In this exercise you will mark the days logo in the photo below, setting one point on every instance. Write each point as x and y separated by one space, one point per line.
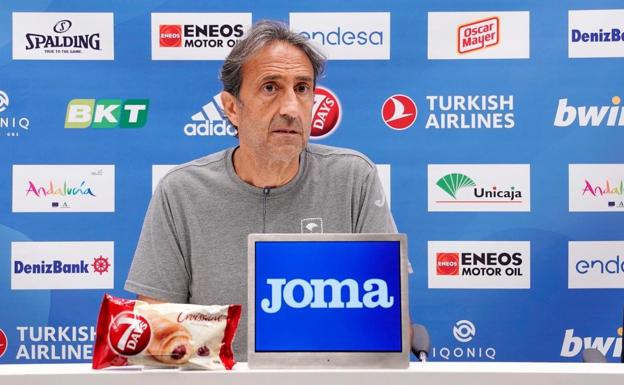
63 188
14 125
609 346
478 35
312 225
346 35
129 334
399 112
447 263
595 33
593 116
486 265
470 111
4 343
196 36
314 294
596 264
479 187
63 36
106 113
4 101
464 331
596 187
466 35
210 121
170 35
326 113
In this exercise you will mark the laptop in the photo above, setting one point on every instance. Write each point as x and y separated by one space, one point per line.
328 301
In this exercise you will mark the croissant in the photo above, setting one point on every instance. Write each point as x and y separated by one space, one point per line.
171 342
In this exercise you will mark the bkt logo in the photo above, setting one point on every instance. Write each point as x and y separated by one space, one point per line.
594 116
210 121
106 113
609 346
282 291
348 35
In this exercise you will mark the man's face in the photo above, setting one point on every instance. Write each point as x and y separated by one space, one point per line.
273 112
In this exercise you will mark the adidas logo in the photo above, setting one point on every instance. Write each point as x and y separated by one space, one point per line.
210 121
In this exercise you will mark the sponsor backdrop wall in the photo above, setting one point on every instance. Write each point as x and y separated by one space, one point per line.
497 128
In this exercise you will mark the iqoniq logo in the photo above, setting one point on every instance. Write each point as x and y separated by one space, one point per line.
375 294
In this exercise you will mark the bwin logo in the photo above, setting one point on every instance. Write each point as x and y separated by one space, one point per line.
375 294
211 121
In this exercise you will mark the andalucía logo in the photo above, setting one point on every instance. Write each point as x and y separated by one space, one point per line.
106 113
4 343
210 121
326 113
14 125
399 112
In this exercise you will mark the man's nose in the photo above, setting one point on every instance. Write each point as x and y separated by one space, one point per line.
289 105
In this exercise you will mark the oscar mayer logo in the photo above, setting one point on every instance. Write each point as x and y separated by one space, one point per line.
129 334
478 35
325 113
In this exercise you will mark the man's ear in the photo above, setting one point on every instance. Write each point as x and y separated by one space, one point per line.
230 107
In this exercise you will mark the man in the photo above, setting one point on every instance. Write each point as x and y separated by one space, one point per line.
193 245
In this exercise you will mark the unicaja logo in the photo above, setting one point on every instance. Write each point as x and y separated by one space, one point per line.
464 331
375 294
451 183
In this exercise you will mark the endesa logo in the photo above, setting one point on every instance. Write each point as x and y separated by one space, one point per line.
477 35
326 113
610 346
129 334
596 187
375 294
399 112
465 332
61 265
196 36
596 265
63 36
11 125
210 121
485 187
347 35
106 113
592 116
596 33
473 264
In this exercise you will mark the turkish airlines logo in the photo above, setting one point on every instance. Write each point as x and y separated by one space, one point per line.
325 113
399 112
129 334
3 342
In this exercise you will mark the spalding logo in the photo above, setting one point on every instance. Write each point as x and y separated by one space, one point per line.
129 334
375 294
325 113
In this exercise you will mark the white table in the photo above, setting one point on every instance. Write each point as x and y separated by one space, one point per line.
435 373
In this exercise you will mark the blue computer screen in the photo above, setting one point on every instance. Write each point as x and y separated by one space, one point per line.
328 296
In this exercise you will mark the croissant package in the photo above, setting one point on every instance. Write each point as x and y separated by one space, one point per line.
132 332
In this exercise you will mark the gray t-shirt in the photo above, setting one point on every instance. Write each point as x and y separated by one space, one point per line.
193 245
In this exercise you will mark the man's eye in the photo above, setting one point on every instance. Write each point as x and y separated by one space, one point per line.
302 88
269 87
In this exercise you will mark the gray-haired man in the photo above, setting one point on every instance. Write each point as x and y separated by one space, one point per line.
193 246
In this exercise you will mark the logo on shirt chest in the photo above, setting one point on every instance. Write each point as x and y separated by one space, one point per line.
312 226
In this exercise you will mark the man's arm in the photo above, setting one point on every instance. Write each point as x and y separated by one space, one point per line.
147 299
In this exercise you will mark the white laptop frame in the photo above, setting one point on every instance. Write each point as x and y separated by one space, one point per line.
321 360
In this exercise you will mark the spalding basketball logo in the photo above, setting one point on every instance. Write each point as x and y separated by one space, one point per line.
325 113
399 112
129 334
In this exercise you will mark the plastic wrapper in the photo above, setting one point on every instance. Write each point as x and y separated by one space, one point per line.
132 332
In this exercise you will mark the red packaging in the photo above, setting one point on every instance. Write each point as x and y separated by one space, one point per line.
132 332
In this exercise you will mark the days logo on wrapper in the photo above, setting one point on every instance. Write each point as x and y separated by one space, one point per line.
129 334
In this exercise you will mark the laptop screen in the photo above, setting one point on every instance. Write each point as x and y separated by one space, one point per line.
328 296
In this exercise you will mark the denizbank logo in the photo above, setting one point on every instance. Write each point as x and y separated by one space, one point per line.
479 265
569 114
106 113
485 187
596 187
346 35
62 265
210 121
596 33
